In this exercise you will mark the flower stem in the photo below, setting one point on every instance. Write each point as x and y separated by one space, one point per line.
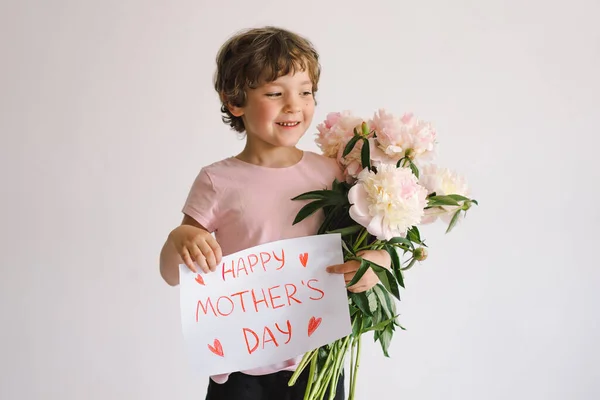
360 239
324 369
411 262
305 360
337 367
311 373
352 360
353 384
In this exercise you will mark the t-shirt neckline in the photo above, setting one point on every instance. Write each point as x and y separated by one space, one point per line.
250 165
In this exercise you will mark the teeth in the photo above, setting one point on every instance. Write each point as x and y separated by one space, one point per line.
288 123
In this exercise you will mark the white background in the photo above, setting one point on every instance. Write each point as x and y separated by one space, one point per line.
108 112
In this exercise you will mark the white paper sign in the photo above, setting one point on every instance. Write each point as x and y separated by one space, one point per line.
264 305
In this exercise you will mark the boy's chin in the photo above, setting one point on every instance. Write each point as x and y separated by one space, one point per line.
288 142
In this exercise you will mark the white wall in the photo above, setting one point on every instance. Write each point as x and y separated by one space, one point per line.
107 114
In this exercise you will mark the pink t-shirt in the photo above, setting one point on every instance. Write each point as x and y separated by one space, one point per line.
246 205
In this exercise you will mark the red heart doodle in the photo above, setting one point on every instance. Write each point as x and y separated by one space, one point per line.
313 324
217 349
304 259
199 279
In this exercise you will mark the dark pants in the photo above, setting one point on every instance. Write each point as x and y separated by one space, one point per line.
240 386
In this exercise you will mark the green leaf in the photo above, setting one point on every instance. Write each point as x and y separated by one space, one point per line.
414 169
399 277
347 231
309 210
351 145
364 266
398 325
357 325
367 322
413 235
442 201
396 265
379 314
361 301
387 303
385 338
348 249
453 221
399 163
329 217
380 326
319 195
401 240
458 197
337 186
474 201
365 155
373 304
387 279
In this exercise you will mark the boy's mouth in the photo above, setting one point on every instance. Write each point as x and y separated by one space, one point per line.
288 124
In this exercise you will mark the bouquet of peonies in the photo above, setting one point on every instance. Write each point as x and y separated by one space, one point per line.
390 188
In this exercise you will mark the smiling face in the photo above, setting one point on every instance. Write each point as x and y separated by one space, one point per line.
278 113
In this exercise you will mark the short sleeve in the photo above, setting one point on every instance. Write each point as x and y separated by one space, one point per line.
202 201
336 171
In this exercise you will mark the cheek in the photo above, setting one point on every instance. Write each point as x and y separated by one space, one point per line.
309 107
267 113
309 111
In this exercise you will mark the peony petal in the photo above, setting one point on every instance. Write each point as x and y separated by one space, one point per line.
375 227
359 211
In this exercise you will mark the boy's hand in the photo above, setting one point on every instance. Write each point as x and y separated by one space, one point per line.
369 279
196 244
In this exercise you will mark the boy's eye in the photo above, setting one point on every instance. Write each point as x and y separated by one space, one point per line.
277 94
306 93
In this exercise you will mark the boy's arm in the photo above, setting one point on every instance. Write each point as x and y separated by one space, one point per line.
170 258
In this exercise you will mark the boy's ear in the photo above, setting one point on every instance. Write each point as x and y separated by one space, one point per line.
234 110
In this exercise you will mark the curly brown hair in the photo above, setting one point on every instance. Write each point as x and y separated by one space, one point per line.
256 56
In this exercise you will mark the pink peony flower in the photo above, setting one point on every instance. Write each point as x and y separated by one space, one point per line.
352 163
388 202
396 136
336 131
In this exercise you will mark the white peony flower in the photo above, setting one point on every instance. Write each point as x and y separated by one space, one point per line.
443 182
388 202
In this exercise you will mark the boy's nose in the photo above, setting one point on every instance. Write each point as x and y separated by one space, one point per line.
293 105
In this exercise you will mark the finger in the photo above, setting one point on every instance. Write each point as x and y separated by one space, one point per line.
187 260
360 286
348 276
366 282
197 256
369 275
209 256
212 242
351 266
357 289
